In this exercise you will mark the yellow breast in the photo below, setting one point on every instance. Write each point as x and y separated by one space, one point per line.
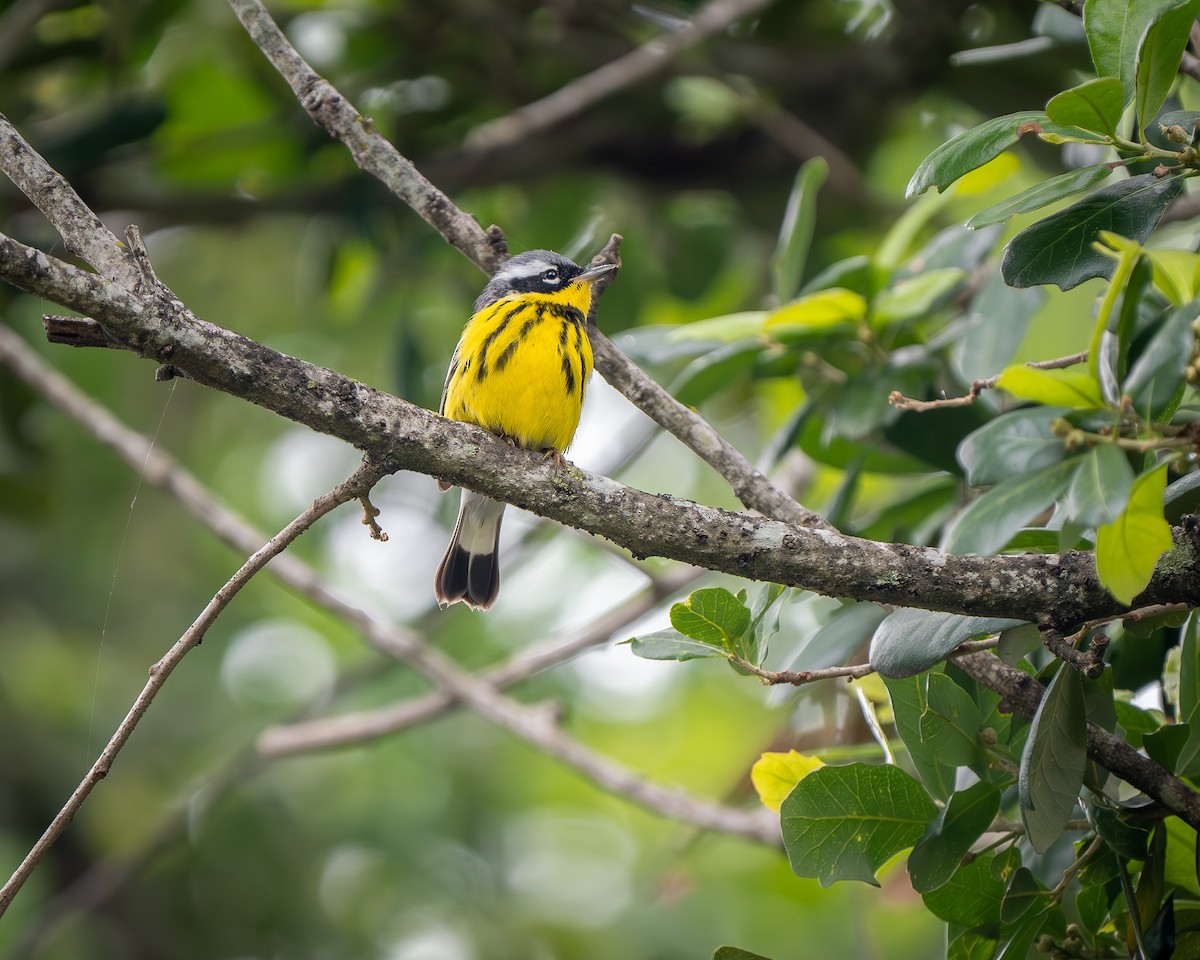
522 366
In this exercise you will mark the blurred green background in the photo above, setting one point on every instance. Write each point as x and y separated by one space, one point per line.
450 841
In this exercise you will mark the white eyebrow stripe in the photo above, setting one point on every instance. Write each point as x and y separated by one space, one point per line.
527 268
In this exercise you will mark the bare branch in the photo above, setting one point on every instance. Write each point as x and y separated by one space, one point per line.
363 725
82 231
632 68
901 402
371 150
361 481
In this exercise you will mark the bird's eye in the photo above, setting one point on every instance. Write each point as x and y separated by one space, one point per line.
550 275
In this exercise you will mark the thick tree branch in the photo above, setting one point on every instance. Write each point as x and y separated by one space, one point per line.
378 157
1061 590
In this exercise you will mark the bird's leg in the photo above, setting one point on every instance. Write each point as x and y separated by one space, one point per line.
560 462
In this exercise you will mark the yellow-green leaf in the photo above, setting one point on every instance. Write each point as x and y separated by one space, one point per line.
1128 548
1176 274
774 775
827 308
1053 388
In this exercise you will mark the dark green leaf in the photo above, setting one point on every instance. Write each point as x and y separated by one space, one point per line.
796 232
971 945
672 645
1114 30
1093 105
961 822
1042 194
1092 903
990 521
971 897
1059 248
1156 376
844 823
1125 838
971 149
1024 894
1165 745
1189 668
950 724
1136 722
909 641
1018 642
736 953
1054 759
1162 45
1020 942
1012 444
996 324
846 630
910 699
1100 488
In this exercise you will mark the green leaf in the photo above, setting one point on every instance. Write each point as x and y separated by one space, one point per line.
672 645
1094 105
972 149
909 641
844 823
1189 696
971 897
1125 838
714 371
1076 389
1114 31
712 615
1059 248
971 945
996 324
820 311
1012 444
1162 45
736 953
1023 895
1156 377
961 822
1041 194
1128 548
1100 488
796 231
950 723
1176 273
991 521
910 700
916 296
1054 759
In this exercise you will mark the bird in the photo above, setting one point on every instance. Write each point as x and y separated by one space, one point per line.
519 371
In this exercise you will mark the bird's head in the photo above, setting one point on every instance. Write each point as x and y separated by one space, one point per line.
538 271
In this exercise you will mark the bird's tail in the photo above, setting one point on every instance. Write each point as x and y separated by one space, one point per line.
470 570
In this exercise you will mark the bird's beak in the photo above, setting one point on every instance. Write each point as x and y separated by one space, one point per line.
592 274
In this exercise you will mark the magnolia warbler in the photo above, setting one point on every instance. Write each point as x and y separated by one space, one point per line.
520 370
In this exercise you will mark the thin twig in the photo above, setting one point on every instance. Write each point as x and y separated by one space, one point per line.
901 402
363 478
634 67
351 728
